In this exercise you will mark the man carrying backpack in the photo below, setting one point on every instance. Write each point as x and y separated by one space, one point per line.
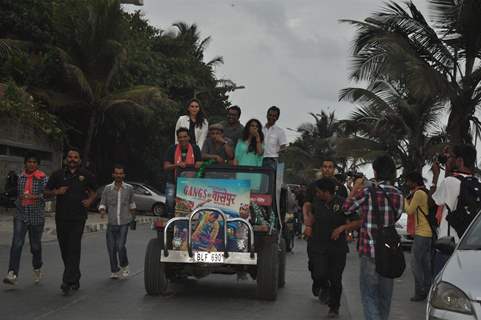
417 205
459 194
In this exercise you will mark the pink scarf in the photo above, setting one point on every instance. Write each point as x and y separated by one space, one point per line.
28 189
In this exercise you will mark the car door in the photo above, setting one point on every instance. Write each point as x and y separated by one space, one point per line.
142 198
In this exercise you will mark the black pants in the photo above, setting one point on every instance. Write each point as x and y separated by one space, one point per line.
69 235
326 267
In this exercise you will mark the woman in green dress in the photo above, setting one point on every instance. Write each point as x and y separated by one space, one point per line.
249 151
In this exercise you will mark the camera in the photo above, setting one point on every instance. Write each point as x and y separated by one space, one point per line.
441 158
354 175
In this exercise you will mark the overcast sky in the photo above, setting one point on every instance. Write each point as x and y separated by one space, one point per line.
291 53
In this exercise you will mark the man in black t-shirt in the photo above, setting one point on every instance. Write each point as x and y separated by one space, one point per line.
327 244
178 155
74 188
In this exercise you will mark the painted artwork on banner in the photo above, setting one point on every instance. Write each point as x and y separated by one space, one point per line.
229 195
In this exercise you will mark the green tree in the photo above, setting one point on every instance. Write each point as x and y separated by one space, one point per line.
390 120
442 60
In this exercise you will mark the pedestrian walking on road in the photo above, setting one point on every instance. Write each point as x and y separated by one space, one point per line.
29 217
117 201
74 188
376 290
327 244
195 122
417 205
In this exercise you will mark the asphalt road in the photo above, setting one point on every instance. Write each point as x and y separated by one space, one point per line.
213 297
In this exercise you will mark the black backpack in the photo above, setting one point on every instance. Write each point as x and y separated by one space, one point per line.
389 256
431 214
469 204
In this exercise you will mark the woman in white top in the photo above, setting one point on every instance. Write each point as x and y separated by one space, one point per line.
195 121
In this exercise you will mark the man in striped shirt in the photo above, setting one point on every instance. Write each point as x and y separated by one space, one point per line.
376 291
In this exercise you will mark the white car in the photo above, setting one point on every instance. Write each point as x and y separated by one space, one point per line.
456 291
402 230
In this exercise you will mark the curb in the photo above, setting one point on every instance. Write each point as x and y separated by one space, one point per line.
99 226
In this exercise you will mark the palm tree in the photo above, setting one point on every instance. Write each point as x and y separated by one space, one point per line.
317 142
440 61
90 54
389 120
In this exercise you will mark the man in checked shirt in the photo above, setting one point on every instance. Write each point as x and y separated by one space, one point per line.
376 291
29 218
117 201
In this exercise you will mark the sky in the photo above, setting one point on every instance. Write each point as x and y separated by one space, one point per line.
294 54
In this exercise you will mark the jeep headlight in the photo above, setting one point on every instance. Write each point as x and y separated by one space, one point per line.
447 297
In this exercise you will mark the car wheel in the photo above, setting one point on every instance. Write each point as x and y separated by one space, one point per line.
158 209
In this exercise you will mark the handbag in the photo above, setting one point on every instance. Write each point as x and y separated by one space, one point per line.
389 256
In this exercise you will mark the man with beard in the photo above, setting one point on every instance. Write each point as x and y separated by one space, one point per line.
74 188
233 129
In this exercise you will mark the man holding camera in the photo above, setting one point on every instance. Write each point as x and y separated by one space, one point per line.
117 201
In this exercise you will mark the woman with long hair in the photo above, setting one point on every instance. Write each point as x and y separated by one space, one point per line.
249 149
195 121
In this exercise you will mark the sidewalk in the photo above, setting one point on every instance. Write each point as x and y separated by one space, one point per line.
94 223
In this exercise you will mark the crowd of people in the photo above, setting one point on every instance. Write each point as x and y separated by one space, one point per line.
74 189
330 210
227 142
373 206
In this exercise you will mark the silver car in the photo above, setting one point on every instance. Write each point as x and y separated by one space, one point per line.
456 292
146 198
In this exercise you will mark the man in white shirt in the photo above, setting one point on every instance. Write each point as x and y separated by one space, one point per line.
274 138
461 161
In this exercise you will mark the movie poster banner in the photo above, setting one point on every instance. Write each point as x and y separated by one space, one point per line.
229 195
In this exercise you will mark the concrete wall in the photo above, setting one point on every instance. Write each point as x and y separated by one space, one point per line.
16 140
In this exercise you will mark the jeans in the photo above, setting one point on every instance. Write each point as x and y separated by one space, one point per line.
421 265
116 239
69 235
270 163
20 229
326 272
170 199
376 291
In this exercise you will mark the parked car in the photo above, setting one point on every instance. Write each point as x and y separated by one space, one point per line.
402 230
146 198
456 291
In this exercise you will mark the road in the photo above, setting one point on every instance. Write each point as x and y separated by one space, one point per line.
213 297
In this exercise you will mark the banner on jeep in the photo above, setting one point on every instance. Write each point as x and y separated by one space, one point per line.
229 195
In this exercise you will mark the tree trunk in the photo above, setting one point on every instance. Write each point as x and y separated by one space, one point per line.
90 136
458 128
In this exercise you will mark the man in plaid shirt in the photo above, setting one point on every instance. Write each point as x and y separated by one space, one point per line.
29 218
376 291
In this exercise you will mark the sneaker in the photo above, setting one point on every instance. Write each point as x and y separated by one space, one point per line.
114 275
315 289
124 272
324 296
333 313
37 275
65 289
10 279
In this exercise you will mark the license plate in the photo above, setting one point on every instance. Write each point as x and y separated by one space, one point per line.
209 257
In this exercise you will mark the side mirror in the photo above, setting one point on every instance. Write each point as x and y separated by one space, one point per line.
445 245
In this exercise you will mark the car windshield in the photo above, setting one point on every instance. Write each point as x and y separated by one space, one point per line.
472 239
152 189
